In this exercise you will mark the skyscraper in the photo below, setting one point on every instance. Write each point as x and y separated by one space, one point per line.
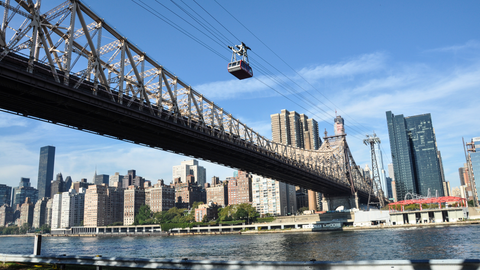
57 186
5 195
23 191
273 197
190 167
101 179
414 155
291 128
381 170
339 125
45 170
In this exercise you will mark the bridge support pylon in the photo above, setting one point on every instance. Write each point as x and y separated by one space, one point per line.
330 203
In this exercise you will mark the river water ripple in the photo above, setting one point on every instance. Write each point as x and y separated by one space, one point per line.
449 242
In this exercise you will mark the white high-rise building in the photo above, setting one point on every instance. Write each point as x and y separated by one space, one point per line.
390 171
57 211
67 209
381 170
72 208
190 167
273 197
115 180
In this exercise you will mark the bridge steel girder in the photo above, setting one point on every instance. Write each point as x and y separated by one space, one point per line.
132 97
40 96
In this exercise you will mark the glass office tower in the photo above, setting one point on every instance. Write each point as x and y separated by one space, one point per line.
414 155
45 171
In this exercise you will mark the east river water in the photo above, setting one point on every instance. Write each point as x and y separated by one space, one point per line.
449 242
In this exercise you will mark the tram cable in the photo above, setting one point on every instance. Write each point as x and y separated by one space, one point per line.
289 67
180 29
226 40
263 70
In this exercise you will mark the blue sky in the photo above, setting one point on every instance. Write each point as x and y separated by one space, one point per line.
361 58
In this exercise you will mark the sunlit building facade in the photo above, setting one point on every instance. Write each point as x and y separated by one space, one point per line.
415 159
271 197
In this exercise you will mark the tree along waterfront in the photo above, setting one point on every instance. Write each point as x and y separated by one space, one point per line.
182 218
449 242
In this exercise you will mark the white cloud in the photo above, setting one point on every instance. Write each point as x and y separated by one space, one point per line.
472 44
8 120
358 65
261 85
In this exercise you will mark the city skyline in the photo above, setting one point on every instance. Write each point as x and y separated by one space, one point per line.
363 72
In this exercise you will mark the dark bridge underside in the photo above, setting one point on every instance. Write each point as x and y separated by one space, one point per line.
38 95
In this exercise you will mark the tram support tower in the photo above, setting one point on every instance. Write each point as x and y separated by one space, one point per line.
372 140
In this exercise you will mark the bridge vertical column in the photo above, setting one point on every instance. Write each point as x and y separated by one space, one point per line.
325 204
330 203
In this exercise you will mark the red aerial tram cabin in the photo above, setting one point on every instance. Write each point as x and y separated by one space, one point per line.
240 68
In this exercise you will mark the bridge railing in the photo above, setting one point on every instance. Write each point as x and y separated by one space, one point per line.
77 47
245 265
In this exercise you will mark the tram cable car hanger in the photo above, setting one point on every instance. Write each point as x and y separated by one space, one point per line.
240 68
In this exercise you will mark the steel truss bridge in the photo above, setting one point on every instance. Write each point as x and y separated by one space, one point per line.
68 67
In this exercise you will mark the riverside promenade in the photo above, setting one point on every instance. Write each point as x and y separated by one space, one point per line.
288 224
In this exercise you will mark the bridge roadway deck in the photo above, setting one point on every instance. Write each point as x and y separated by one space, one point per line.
38 96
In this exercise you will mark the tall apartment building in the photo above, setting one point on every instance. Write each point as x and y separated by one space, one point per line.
72 208
5 195
26 213
6 215
291 128
132 179
160 197
415 160
40 213
218 193
56 211
103 206
134 199
48 212
23 191
187 193
56 186
273 197
240 188
80 184
190 167
99 179
45 170
115 180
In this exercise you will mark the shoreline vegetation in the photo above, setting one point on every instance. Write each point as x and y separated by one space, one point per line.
263 231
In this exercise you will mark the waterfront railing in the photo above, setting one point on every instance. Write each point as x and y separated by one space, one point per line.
61 261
